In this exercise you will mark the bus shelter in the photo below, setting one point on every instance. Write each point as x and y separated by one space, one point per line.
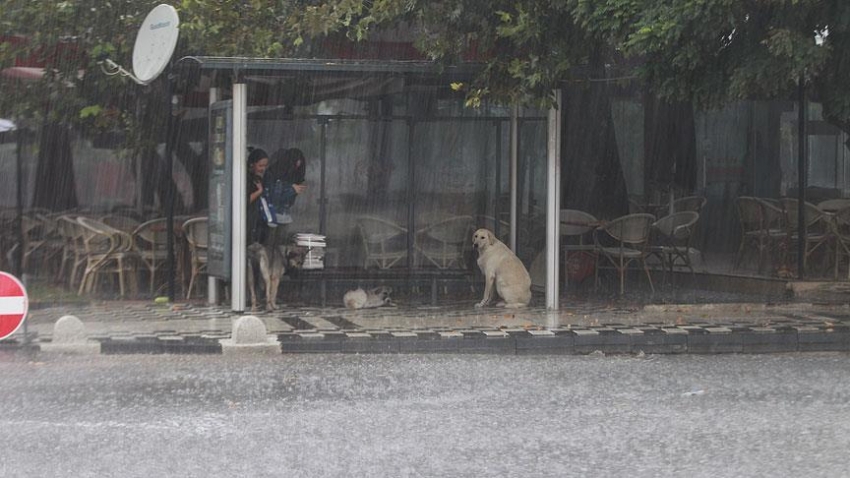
391 141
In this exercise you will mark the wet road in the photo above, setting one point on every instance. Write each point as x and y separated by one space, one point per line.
425 415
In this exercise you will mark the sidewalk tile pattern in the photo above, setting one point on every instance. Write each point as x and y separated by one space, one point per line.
146 328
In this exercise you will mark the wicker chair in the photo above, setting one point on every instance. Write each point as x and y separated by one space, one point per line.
73 251
150 241
762 229
622 241
384 242
107 251
196 233
687 203
819 231
671 240
121 222
841 231
443 243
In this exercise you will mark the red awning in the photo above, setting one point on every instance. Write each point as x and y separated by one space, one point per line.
22 73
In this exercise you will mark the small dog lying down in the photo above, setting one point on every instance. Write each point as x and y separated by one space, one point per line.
273 263
504 273
367 299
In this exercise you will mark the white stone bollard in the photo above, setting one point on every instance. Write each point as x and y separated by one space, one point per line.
69 337
249 336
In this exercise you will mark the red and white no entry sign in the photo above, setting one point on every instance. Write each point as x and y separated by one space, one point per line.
13 304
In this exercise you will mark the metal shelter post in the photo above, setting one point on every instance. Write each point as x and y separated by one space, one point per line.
213 284
802 171
323 192
18 254
553 202
172 185
514 168
239 262
411 191
497 179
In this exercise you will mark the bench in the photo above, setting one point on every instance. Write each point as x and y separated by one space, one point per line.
408 276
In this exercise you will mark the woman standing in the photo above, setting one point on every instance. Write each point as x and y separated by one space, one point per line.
258 163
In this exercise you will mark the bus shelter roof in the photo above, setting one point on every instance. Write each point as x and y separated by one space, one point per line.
285 67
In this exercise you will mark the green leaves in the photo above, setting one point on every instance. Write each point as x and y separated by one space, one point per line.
706 50
92 110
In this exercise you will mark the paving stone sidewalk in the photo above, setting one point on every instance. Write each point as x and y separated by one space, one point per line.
581 328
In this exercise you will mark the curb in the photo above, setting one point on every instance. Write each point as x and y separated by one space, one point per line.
708 339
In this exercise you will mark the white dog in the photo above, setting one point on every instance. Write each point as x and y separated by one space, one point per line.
367 299
502 270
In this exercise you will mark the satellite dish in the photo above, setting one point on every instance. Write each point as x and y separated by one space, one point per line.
155 43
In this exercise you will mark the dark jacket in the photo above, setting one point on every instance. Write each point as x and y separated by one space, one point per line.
257 228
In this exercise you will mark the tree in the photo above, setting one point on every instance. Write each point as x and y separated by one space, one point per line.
704 52
68 40
65 39
714 51
686 52
254 28
526 48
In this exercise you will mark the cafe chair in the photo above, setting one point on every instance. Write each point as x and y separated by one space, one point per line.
151 242
443 244
623 241
671 240
108 251
577 246
196 233
384 242
73 250
819 233
762 224
121 222
686 203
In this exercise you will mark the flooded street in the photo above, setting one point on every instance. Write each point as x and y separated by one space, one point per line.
425 415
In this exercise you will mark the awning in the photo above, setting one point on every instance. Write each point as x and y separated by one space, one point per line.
22 73
30 73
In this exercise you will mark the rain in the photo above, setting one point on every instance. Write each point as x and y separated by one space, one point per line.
397 149
320 186
393 143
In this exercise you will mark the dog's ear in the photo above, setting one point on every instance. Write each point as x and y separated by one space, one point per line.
295 251
491 238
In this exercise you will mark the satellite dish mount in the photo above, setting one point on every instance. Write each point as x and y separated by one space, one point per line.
154 46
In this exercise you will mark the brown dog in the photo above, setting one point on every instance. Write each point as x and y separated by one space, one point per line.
273 263
503 272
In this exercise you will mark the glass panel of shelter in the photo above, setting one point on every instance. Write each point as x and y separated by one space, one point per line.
459 162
